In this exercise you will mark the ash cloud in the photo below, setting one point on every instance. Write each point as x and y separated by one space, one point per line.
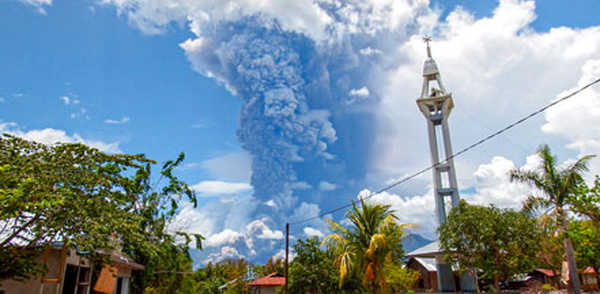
294 121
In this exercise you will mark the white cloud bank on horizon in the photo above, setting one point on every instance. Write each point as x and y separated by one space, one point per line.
51 136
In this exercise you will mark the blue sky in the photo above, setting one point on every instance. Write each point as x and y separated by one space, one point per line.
319 97
87 53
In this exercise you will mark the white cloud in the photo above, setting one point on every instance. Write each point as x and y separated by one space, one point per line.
154 16
301 185
53 136
312 232
578 118
65 99
234 166
327 186
369 51
37 3
121 121
225 253
270 203
418 209
362 92
303 16
80 112
494 185
265 231
215 188
227 236
189 166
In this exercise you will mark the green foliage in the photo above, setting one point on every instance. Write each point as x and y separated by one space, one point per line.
80 195
273 265
312 270
213 276
498 242
547 287
399 278
373 239
587 201
69 192
586 239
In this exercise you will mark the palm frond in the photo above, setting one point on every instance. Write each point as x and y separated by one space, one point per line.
581 164
533 204
345 265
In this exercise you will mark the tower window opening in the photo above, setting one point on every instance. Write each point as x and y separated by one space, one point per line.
439 140
445 178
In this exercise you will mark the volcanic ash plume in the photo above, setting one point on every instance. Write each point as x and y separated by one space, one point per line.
266 68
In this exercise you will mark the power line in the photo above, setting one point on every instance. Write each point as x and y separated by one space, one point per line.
487 138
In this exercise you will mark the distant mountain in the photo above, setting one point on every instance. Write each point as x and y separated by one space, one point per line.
413 241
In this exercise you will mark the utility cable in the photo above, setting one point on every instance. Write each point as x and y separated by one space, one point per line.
461 152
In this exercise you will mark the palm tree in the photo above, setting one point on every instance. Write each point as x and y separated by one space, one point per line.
373 239
557 186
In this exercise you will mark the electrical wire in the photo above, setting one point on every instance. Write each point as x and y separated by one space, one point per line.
459 153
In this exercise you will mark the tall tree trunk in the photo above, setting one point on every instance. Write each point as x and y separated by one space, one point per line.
497 283
573 274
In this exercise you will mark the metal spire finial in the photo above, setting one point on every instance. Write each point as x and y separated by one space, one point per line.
427 39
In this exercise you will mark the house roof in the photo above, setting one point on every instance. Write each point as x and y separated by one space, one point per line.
427 263
123 260
428 251
588 271
274 279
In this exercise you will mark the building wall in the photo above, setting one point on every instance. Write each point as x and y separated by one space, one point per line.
33 285
53 264
429 279
267 290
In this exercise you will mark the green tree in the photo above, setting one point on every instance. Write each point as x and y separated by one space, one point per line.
164 253
230 272
550 244
66 192
587 201
77 194
373 239
399 278
498 242
586 238
312 270
558 187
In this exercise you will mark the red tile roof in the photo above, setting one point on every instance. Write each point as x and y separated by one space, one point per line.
588 270
274 279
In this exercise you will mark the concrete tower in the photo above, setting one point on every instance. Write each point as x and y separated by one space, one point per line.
436 104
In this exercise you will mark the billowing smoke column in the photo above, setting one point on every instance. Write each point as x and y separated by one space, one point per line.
289 108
